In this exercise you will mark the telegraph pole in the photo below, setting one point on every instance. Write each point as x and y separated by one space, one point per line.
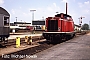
33 19
16 19
43 18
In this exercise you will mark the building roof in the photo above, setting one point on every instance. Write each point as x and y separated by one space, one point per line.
38 22
77 25
3 11
21 23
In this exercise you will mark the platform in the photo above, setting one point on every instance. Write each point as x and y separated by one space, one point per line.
74 49
22 47
22 35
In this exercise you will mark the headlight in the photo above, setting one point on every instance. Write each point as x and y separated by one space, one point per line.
45 28
59 29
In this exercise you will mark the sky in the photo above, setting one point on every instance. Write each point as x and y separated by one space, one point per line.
46 8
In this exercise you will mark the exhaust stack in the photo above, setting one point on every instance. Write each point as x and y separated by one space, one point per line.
66 7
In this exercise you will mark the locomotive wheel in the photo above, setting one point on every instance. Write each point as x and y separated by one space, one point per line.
6 41
3 40
68 37
56 40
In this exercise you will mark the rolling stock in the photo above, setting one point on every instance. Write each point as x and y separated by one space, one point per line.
59 27
4 24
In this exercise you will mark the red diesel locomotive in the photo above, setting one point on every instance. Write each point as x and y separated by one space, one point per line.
59 27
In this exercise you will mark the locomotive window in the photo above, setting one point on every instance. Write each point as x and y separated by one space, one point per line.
6 21
65 17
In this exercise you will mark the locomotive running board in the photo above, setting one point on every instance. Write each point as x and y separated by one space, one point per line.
59 32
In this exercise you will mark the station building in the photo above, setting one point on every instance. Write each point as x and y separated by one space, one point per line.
39 24
77 27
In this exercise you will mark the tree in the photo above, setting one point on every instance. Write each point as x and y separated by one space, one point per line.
85 27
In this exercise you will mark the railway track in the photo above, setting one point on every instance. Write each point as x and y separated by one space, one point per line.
12 42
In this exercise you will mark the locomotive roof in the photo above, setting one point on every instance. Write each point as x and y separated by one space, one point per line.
3 11
58 15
